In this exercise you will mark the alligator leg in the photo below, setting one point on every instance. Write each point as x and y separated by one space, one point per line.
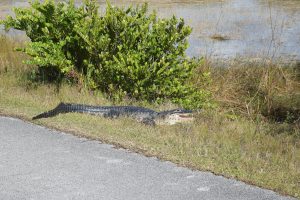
112 114
148 121
115 114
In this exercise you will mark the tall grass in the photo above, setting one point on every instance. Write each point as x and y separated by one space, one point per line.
9 59
230 140
266 90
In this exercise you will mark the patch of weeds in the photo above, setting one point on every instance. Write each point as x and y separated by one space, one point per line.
219 37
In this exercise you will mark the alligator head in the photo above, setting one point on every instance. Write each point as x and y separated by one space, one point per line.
171 117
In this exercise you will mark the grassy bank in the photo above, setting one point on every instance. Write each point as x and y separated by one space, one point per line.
238 139
260 89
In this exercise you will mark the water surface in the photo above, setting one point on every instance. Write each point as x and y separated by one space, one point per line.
251 28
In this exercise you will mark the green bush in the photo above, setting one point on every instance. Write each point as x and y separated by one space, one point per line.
124 52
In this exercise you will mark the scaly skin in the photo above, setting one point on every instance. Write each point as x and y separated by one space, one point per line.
144 115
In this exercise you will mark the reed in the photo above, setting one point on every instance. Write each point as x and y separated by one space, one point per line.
266 90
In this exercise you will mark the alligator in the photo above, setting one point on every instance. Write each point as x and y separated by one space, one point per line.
141 114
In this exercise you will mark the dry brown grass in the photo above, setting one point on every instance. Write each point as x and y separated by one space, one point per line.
9 60
258 89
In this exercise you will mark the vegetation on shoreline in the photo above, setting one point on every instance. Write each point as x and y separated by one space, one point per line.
123 52
259 90
237 139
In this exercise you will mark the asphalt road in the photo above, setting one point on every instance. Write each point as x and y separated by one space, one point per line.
38 163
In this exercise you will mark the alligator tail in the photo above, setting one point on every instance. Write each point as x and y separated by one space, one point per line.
61 108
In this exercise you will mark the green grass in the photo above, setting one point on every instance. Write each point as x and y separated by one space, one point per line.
236 147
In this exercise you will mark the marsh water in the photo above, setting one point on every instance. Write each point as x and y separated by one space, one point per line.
226 29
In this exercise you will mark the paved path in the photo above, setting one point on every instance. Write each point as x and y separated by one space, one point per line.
38 163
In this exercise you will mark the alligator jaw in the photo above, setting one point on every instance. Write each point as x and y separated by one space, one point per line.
175 118
186 116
